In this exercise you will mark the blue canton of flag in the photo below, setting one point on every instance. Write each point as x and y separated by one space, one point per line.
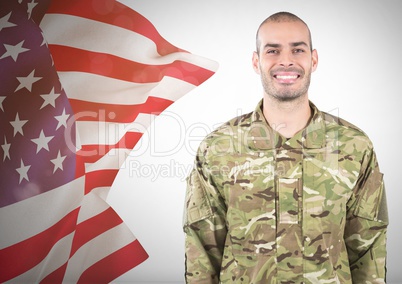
37 140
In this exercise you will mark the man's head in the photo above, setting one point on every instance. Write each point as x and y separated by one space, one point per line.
284 57
282 17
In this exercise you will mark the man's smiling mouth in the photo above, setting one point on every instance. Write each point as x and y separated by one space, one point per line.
286 78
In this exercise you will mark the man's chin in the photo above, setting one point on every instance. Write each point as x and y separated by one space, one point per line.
287 97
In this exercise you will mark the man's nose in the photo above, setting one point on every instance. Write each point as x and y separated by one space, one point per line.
286 59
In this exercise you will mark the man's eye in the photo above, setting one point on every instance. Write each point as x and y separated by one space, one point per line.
272 51
298 50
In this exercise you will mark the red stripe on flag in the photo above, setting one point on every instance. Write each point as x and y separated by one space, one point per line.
114 13
21 257
91 111
101 178
119 68
93 227
117 263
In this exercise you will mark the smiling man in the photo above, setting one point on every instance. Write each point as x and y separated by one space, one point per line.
286 193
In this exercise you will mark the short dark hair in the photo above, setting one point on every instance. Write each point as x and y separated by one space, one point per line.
282 17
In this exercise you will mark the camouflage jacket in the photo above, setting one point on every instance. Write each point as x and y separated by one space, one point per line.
264 209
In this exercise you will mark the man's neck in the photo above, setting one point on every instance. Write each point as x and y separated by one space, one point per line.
287 118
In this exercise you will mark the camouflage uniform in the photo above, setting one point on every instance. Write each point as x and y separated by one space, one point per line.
263 209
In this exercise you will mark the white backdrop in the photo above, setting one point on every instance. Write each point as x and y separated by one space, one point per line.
358 78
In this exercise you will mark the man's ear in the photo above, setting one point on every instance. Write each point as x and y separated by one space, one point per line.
314 59
256 62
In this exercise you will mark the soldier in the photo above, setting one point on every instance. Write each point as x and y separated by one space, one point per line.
286 193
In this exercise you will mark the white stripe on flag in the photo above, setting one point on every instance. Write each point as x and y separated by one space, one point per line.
93 203
109 133
83 86
111 161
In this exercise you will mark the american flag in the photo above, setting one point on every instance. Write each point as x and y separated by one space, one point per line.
80 81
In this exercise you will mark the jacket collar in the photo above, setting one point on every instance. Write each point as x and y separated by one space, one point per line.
262 137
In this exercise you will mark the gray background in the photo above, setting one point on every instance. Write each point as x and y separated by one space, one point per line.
358 78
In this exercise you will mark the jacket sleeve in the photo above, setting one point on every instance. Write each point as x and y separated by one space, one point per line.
205 229
366 226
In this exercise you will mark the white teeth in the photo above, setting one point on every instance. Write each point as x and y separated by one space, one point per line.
286 77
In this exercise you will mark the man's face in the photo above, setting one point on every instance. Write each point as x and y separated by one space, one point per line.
285 60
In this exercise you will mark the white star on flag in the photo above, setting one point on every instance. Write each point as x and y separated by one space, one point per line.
42 141
6 149
14 50
1 102
31 6
18 124
23 171
26 82
50 99
58 162
62 119
4 23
